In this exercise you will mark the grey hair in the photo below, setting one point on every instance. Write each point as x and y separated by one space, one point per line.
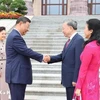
72 23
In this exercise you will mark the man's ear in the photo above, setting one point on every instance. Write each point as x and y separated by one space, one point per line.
20 22
71 27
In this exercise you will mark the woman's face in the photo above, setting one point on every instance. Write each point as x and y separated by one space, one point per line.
2 35
87 32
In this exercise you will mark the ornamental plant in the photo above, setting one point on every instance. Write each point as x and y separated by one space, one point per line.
9 15
13 5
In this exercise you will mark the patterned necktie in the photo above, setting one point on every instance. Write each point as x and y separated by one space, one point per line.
67 42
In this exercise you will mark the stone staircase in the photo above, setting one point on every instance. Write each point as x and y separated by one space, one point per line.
46 37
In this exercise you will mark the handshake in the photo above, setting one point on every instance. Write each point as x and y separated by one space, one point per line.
46 59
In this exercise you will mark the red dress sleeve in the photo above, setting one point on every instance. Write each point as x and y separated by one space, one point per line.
86 58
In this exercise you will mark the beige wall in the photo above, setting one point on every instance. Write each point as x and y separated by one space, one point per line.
37 7
68 8
74 8
78 7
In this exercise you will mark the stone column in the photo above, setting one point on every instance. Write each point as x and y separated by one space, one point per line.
78 7
37 7
68 8
29 7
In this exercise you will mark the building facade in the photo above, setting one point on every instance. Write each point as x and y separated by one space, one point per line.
65 7
29 5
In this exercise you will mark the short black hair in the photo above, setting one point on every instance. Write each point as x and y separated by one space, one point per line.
23 19
2 28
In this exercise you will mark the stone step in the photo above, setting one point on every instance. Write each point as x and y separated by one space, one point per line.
29 37
46 85
50 32
46 44
46 35
49 51
47 47
57 29
46 77
45 91
38 97
45 41
44 65
31 32
46 69
58 19
45 98
39 45
46 82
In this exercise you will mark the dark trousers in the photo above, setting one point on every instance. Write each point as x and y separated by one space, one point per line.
17 91
69 92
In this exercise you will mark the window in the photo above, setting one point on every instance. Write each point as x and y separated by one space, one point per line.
94 7
54 7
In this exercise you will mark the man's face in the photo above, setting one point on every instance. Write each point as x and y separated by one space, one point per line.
66 29
24 27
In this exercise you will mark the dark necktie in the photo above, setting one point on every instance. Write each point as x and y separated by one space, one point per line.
67 43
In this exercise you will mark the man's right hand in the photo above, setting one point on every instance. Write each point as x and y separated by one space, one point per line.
46 58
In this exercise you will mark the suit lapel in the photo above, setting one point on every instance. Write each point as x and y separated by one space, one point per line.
69 46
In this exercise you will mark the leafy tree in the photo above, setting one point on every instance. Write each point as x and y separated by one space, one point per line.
19 6
5 5
13 5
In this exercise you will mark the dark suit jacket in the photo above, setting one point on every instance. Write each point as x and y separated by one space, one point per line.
70 58
18 65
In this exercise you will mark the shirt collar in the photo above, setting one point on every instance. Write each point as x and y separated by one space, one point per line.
17 31
73 35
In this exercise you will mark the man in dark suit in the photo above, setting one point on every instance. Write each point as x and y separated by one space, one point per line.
70 57
18 65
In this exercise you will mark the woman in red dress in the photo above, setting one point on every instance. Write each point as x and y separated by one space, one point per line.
88 80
